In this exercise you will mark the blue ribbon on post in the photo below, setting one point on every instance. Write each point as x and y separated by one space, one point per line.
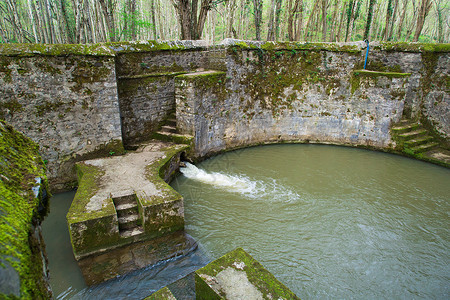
367 53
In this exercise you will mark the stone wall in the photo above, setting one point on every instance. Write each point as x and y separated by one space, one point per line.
68 104
287 93
81 101
146 85
23 205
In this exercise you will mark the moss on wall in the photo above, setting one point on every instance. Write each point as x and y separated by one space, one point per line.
257 275
23 204
413 47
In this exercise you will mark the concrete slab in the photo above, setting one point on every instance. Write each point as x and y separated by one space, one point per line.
137 179
237 275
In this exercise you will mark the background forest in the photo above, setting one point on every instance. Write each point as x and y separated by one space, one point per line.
93 21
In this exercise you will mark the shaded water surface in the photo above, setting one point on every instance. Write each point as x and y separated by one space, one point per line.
329 222
68 283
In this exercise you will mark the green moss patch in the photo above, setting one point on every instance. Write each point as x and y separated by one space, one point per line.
22 203
271 46
355 80
413 47
162 294
240 261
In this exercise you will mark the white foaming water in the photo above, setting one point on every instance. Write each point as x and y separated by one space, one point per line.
234 183
268 188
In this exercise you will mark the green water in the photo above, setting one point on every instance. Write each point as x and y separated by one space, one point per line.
329 222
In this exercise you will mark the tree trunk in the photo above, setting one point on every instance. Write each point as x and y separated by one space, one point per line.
231 8
391 26
152 12
108 13
402 19
33 23
257 8
310 19
160 24
369 20
271 23
324 20
350 13
423 12
277 19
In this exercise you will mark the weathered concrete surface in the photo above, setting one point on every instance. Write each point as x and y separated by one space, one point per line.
102 267
93 219
237 275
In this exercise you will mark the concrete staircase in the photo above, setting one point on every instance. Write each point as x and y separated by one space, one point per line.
412 138
169 133
128 216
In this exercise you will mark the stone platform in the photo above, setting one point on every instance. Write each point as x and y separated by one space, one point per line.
125 199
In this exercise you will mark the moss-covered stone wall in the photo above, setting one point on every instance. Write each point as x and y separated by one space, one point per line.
146 85
289 93
23 204
67 103
85 101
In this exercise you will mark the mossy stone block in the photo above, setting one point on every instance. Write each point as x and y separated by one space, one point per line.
162 294
237 275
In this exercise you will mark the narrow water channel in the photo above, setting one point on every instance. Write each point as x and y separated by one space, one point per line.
328 221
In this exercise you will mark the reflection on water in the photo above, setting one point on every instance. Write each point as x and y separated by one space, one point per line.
329 222
68 283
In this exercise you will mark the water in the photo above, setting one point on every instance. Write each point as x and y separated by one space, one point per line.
67 281
329 222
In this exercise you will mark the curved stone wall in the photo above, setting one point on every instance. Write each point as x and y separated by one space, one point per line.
84 101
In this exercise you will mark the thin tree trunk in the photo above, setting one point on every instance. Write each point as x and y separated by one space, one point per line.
152 12
231 8
310 19
271 25
391 26
402 19
277 19
299 27
33 23
257 8
324 20
369 20
350 13
423 12
161 27
334 21
341 23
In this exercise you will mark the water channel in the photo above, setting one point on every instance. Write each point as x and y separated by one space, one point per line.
327 221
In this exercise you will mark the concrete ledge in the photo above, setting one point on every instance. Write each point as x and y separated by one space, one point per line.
237 275
124 199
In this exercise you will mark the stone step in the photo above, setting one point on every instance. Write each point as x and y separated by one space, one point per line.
128 219
424 147
412 134
402 128
127 212
125 206
173 137
128 222
171 122
168 128
132 232
418 141
124 197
